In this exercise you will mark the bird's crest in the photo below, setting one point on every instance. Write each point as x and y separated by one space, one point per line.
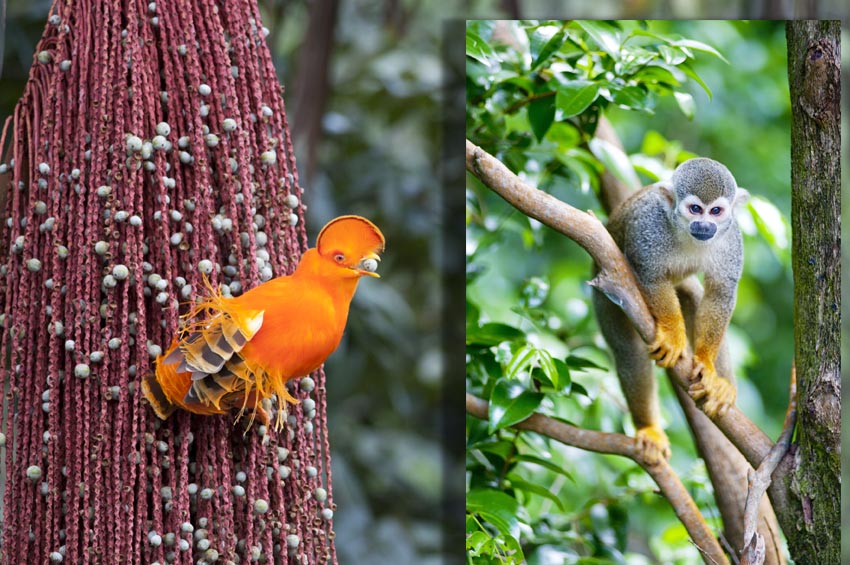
354 235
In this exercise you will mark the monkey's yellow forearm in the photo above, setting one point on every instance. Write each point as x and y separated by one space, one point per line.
670 337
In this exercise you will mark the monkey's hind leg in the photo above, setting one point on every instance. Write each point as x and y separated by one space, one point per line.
635 370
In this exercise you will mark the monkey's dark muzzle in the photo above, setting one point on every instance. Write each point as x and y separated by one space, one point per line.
703 231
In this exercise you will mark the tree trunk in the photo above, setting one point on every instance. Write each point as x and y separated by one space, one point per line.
812 519
312 80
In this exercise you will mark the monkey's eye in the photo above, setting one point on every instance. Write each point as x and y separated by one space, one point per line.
339 257
695 209
716 211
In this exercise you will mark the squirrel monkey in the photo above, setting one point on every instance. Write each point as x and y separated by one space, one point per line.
669 231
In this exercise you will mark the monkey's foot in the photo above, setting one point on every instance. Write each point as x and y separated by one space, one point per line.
712 392
652 444
669 343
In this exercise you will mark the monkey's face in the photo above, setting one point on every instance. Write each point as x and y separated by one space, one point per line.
705 219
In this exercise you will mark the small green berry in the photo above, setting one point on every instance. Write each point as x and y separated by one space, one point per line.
34 473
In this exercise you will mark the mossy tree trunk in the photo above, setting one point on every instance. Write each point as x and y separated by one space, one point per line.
812 519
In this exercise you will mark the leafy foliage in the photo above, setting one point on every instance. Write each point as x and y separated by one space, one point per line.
555 78
535 94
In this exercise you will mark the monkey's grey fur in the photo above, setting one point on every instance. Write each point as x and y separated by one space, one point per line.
668 232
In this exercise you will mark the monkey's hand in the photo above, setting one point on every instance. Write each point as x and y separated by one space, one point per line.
670 340
714 393
653 445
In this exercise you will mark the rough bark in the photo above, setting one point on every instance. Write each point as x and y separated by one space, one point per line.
812 521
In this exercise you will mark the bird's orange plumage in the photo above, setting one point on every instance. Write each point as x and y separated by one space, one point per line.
238 351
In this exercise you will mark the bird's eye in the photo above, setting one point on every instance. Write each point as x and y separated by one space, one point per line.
339 257
716 211
695 209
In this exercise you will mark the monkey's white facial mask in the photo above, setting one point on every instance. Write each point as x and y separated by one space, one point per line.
705 219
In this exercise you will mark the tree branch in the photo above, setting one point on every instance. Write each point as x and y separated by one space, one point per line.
615 278
618 444
753 550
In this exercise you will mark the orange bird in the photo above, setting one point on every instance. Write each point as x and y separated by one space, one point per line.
238 351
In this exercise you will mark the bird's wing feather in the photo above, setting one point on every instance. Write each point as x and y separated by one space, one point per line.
224 386
209 349
218 339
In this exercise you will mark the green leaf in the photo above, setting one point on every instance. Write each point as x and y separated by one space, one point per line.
482 365
552 45
699 46
541 114
575 96
495 507
524 458
549 368
522 82
633 97
510 403
525 486
659 75
672 55
521 359
684 155
655 35
615 161
492 333
564 378
565 135
577 388
686 104
604 34
476 541
502 448
650 167
477 48
544 384
580 363
691 73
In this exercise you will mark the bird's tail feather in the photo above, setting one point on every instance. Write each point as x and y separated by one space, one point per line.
156 397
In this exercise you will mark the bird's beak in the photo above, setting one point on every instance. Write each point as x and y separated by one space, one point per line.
368 265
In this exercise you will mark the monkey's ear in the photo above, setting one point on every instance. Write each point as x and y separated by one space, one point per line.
742 196
667 191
